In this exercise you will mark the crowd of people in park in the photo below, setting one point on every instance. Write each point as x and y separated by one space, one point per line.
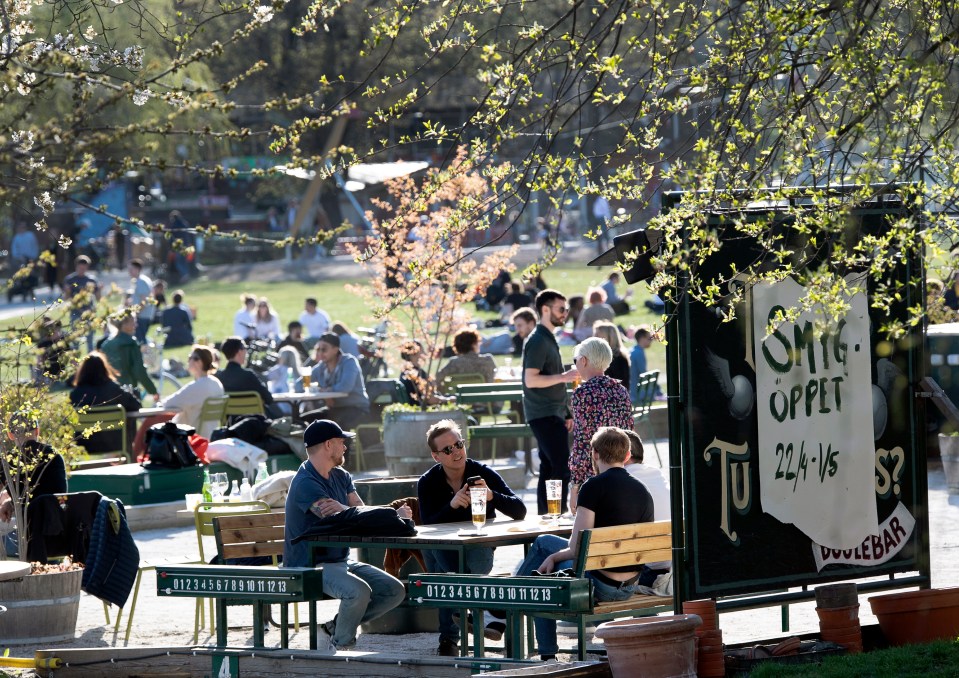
584 436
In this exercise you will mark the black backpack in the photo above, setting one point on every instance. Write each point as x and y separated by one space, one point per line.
168 446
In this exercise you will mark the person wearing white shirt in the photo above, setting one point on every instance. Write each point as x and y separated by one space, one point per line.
657 484
266 320
245 319
190 398
315 321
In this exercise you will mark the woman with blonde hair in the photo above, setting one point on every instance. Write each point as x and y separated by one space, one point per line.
599 401
619 365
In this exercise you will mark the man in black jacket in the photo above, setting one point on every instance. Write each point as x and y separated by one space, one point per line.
236 378
444 497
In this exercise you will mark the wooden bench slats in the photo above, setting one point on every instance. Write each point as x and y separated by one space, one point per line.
236 535
637 558
250 535
251 551
664 541
634 531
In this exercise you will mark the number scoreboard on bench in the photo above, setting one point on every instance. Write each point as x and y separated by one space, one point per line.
529 594
258 584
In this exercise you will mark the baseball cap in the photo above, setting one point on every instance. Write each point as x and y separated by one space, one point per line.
322 430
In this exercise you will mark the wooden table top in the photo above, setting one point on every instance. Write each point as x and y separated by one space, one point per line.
499 532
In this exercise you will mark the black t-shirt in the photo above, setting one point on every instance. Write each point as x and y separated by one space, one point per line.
619 369
617 498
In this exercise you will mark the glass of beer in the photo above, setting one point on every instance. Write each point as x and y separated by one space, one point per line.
478 506
554 494
307 374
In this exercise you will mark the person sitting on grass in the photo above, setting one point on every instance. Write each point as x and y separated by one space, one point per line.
612 497
444 497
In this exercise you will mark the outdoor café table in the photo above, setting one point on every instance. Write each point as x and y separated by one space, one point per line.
297 398
145 412
458 537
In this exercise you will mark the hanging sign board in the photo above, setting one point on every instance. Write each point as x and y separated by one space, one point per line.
802 459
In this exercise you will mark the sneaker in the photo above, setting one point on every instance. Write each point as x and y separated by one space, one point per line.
448 648
324 640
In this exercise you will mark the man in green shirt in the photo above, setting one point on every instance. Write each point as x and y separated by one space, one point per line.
544 394
124 355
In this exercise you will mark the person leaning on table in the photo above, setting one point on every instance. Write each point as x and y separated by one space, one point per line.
444 497
322 488
612 497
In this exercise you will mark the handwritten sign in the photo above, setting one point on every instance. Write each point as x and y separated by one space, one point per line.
815 423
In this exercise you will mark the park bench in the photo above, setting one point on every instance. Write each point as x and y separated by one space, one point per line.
247 536
562 598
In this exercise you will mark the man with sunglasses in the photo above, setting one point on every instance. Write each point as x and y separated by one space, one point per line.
444 497
544 394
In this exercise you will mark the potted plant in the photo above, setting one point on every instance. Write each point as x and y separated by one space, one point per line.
404 434
42 606
949 454
421 277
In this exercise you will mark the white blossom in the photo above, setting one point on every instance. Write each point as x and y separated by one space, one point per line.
263 14
141 96
44 202
24 140
133 57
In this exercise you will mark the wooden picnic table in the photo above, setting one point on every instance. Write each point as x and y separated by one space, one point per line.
458 537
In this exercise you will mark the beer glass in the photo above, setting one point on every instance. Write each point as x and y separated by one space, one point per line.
307 375
554 494
478 506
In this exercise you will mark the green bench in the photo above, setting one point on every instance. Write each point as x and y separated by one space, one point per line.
256 586
569 599
247 535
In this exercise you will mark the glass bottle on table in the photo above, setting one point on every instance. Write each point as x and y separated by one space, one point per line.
207 490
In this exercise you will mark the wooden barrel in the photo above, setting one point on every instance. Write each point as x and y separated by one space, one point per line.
41 608
404 439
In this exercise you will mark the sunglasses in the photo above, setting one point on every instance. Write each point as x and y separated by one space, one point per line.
449 449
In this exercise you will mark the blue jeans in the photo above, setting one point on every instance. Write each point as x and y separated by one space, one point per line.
365 593
477 561
545 546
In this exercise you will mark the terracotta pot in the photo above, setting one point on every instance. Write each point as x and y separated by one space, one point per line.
706 610
837 616
651 647
918 616
837 595
840 631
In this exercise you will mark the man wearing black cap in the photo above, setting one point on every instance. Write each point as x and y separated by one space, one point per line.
338 371
322 488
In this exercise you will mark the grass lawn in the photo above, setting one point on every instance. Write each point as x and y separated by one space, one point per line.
934 660
216 302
